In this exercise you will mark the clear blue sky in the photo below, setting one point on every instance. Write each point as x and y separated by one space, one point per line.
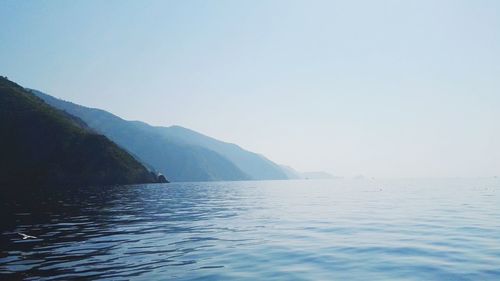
380 88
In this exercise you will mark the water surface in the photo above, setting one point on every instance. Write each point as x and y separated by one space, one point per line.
273 230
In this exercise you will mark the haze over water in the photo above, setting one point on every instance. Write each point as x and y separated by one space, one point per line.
268 230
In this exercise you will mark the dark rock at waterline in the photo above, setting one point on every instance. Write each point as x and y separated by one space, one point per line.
162 179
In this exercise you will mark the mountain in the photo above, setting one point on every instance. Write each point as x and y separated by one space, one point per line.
255 165
317 175
178 161
291 173
294 174
41 145
179 153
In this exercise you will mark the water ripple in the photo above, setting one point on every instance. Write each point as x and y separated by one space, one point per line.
275 230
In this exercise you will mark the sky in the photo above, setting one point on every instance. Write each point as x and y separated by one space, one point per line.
374 88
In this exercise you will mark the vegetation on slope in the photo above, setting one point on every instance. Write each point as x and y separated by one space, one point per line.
41 145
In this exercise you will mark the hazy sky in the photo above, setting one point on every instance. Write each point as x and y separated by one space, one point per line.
379 88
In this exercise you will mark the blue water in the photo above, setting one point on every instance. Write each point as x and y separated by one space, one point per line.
273 230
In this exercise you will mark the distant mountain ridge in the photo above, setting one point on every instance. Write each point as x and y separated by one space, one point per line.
317 175
179 153
294 174
291 173
179 162
44 146
253 164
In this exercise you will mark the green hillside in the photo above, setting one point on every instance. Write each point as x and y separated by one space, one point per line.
41 145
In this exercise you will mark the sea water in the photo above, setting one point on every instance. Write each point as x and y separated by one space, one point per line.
341 229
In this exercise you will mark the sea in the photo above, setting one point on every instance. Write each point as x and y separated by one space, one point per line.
338 229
